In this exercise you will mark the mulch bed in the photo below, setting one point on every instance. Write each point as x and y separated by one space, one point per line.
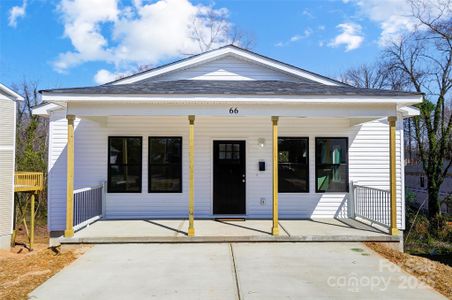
435 274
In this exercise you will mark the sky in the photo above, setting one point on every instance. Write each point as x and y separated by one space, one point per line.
68 43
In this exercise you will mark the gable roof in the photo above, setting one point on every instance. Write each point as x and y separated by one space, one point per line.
228 87
224 51
152 86
10 93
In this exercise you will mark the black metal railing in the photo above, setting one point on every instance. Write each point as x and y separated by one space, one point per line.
87 204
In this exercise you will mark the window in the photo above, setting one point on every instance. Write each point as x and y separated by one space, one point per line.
124 164
331 164
165 165
293 165
229 151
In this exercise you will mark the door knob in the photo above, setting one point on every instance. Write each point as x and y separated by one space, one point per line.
243 180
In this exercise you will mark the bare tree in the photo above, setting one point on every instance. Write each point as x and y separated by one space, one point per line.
31 137
424 58
212 29
374 76
31 131
421 61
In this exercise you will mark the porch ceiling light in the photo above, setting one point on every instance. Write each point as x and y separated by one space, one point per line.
261 142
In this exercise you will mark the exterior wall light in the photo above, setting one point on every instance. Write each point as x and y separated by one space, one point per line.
261 142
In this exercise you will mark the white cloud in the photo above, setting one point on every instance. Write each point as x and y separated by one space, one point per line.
17 12
103 76
351 36
82 25
393 16
307 13
295 38
143 33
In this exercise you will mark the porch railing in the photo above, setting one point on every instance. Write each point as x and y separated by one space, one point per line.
372 204
28 181
87 205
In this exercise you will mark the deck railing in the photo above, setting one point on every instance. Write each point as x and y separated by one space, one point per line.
87 205
28 181
372 204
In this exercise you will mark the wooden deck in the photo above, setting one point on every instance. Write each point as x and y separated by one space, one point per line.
28 181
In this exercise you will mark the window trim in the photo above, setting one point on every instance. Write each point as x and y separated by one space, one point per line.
308 186
180 165
108 165
347 186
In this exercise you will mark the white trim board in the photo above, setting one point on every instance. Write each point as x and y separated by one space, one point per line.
206 99
13 95
244 110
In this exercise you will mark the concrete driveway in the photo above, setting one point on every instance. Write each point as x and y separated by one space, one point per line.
232 271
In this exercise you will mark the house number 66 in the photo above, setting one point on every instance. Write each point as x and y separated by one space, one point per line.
233 110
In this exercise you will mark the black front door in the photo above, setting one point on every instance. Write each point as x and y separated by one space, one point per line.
229 179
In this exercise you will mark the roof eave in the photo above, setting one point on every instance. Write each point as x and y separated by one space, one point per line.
15 96
402 100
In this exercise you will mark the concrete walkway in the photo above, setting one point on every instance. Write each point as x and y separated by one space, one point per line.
232 271
159 231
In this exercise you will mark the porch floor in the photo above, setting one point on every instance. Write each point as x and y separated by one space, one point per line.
175 231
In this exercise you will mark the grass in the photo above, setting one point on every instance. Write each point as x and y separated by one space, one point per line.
420 239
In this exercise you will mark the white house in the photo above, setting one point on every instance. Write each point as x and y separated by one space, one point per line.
416 182
8 102
227 133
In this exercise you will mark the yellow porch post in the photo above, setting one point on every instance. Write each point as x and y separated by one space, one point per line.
392 176
191 188
69 232
32 220
275 228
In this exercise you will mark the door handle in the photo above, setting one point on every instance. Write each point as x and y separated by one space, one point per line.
243 180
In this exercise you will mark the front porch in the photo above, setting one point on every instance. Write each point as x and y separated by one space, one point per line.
176 231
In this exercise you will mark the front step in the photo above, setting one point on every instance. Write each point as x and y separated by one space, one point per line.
228 239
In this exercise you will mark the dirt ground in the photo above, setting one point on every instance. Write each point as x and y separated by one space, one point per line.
435 274
21 270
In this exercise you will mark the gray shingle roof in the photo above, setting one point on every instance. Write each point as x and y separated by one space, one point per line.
228 87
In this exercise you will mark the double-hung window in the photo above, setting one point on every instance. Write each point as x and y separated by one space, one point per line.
293 165
165 165
331 164
124 164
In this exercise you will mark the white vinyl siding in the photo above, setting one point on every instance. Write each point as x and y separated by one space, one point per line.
228 68
7 193
7 143
7 122
368 164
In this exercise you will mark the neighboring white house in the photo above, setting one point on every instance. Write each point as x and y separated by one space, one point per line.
8 99
416 182
230 108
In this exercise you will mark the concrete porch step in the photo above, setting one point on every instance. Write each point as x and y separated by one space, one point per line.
227 239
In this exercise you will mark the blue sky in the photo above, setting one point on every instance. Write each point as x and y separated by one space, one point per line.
64 43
